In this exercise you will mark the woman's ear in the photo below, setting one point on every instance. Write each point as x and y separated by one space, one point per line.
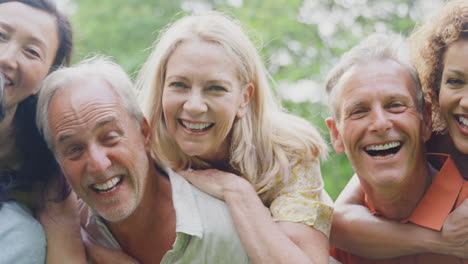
247 94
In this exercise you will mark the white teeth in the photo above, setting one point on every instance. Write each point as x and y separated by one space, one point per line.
463 120
196 126
383 157
8 81
108 184
384 146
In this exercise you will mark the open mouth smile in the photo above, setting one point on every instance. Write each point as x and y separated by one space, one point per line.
462 120
196 127
383 151
7 80
107 186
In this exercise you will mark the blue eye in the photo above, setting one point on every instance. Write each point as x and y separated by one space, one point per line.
178 85
358 113
396 107
73 152
455 81
217 88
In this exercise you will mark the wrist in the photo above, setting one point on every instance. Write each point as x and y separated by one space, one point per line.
432 243
238 189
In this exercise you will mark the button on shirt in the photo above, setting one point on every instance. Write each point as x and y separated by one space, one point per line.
205 232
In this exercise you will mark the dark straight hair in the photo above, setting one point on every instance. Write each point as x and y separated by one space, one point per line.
38 165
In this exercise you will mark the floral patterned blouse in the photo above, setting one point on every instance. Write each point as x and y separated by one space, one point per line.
300 198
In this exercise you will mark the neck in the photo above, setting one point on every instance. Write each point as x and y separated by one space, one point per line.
397 200
444 144
150 231
8 154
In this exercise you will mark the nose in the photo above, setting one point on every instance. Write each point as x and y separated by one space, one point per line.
98 161
380 123
8 56
464 100
195 102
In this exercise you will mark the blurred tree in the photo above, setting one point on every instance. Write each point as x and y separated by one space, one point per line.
299 40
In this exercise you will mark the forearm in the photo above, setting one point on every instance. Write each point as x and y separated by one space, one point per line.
357 231
64 244
263 239
62 228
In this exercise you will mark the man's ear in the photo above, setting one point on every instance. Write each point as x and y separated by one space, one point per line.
247 94
335 136
147 134
427 122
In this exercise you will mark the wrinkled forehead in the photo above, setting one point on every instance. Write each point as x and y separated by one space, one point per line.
81 103
386 76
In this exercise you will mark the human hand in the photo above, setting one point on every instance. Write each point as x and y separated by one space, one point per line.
455 232
59 216
98 254
215 182
61 224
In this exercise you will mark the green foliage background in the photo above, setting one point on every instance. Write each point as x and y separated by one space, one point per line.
298 40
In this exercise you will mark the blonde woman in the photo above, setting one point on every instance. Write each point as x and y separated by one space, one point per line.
206 94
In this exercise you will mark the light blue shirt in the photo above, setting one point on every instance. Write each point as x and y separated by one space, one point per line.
205 232
22 239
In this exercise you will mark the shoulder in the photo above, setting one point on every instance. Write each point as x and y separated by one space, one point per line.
21 236
212 210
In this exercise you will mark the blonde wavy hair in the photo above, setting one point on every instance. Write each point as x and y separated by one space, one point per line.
429 42
265 141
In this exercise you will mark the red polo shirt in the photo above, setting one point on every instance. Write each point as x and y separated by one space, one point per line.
447 191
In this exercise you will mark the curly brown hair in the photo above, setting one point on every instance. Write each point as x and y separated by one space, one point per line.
429 42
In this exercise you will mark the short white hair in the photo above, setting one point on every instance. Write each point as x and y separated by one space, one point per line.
98 67
375 47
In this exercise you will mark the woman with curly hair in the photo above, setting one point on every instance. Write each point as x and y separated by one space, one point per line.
439 49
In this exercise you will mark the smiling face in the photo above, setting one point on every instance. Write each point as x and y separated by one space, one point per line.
28 45
379 126
453 96
101 150
202 97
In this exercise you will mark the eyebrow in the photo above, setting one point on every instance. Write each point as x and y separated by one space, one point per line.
457 72
6 26
175 77
33 39
214 82
104 122
353 105
39 42
361 102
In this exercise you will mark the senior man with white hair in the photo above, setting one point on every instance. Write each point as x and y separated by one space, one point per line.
90 119
380 121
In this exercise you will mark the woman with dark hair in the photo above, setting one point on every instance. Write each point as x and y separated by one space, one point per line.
35 39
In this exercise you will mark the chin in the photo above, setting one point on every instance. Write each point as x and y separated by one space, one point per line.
461 145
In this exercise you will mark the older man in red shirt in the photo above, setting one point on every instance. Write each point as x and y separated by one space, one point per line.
381 123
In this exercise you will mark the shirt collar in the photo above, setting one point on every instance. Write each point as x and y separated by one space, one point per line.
440 197
188 218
